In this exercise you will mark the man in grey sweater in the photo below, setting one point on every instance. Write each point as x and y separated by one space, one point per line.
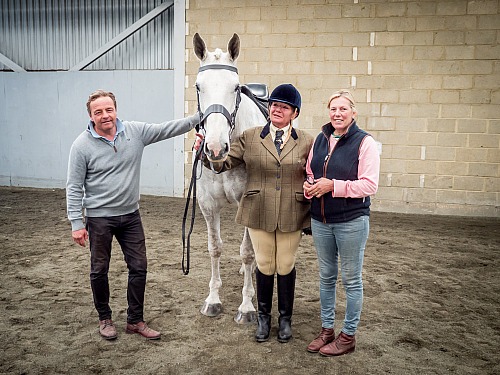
103 181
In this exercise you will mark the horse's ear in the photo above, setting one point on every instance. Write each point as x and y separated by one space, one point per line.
233 47
200 48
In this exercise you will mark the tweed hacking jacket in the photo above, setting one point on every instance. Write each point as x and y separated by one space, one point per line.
274 196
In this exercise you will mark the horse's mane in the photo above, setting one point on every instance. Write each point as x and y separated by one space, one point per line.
217 56
217 53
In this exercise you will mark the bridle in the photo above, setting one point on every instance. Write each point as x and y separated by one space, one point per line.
231 119
219 108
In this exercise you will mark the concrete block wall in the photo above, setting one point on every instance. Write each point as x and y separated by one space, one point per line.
425 74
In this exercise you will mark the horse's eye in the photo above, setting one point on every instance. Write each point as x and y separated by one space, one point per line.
197 87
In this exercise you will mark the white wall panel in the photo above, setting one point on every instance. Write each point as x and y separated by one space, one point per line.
42 113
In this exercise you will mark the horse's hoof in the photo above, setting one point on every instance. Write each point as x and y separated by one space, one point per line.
246 318
211 310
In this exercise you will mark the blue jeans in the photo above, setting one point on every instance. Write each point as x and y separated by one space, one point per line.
345 241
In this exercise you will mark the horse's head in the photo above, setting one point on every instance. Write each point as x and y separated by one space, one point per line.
218 89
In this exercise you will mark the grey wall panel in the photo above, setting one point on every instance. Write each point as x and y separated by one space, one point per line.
47 35
42 113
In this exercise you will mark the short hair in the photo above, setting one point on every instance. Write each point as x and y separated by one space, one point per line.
99 94
342 93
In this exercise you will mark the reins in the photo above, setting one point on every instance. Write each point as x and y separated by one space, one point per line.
186 245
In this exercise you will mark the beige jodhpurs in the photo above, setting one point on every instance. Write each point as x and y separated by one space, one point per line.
275 252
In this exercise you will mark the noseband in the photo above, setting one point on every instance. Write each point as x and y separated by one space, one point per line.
219 108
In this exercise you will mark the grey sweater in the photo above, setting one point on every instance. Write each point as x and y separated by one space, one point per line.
103 178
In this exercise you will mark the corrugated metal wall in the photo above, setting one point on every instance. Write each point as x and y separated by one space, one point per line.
47 35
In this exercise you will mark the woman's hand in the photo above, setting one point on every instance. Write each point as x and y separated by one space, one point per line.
320 187
308 185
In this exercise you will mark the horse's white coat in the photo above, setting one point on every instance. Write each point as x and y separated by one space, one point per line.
216 190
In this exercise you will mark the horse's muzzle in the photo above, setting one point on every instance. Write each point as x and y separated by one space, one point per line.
215 155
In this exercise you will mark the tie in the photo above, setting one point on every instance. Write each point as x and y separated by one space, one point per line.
278 141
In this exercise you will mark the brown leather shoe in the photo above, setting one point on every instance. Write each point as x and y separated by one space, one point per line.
142 329
343 344
107 329
326 336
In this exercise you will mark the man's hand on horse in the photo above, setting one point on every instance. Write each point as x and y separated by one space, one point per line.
197 142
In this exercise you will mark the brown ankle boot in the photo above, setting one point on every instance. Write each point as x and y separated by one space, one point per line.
107 329
343 344
142 329
326 336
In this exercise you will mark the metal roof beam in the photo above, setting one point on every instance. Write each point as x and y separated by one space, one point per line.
123 35
11 64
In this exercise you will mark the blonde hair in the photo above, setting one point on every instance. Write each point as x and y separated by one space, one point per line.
99 94
345 94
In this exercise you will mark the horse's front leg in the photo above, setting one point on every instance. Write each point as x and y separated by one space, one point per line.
213 305
246 311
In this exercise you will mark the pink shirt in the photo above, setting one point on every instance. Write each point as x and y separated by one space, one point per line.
368 172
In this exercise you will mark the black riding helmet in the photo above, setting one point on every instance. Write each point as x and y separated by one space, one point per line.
288 94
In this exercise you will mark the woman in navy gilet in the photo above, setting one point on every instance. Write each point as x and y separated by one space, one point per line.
343 171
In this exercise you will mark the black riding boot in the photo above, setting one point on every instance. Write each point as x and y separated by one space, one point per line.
265 285
286 294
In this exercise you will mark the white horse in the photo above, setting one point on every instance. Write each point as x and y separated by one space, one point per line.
226 114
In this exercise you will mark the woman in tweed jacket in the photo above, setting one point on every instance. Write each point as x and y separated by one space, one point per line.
273 206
